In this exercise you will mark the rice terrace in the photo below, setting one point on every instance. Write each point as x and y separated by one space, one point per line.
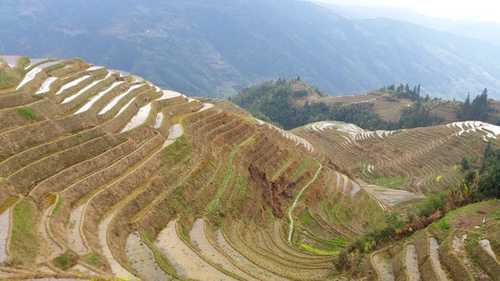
105 176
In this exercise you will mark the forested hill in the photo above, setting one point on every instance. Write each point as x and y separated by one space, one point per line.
219 46
293 103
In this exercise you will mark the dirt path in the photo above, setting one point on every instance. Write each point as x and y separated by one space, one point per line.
186 262
383 267
411 263
4 234
52 249
142 259
117 269
297 198
434 256
73 235
458 245
485 244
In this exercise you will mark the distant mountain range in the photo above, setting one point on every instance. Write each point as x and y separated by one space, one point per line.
215 48
484 31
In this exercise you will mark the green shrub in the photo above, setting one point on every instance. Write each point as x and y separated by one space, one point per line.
94 260
22 62
9 77
369 241
27 113
66 260
443 224
430 204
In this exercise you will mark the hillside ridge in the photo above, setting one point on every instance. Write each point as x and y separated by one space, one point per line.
293 103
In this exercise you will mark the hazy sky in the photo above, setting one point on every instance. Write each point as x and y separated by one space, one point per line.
480 10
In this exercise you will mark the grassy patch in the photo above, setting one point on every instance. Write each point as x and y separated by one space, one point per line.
241 186
472 244
391 182
239 194
305 217
176 152
24 244
315 250
472 241
337 243
92 259
66 260
214 205
495 215
95 260
301 169
27 113
332 247
59 204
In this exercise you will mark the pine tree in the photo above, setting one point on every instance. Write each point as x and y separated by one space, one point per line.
464 112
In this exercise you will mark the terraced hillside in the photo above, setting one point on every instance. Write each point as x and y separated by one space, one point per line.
104 175
464 245
419 160
389 107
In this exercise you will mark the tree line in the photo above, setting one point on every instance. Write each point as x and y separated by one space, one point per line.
478 110
276 102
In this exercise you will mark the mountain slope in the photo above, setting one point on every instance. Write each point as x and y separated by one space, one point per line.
104 174
217 47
